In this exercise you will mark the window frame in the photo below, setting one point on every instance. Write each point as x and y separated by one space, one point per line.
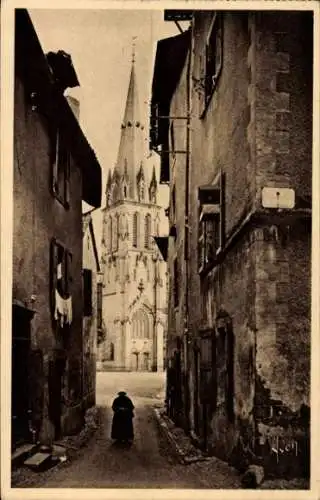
213 64
65 259
61 169
215 217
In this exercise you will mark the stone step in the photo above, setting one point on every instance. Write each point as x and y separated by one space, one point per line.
39 461
22 453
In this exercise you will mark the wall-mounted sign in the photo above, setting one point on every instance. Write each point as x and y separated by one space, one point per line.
276 197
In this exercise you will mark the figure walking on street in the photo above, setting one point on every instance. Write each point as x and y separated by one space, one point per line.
122 422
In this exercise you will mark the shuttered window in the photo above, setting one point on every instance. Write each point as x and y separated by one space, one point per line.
213 56
61 269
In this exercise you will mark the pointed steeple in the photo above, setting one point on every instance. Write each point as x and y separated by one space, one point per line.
131 148
108 189
153 182
153 187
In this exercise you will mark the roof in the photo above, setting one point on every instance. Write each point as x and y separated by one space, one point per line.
32 67
131 146
162 243
169 62
88 224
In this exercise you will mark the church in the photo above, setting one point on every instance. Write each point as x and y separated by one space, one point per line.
134 301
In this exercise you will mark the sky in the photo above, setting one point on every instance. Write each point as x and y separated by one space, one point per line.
100 43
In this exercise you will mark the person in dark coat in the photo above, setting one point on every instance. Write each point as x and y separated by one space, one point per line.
122 424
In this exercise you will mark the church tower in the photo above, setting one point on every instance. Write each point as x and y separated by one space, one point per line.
134 272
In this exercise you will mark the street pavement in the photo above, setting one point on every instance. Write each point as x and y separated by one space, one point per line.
149 463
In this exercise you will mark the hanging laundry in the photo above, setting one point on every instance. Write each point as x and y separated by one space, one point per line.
63 309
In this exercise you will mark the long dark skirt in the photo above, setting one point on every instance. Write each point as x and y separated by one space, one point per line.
122 426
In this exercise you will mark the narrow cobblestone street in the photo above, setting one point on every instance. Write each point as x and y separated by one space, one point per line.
149 463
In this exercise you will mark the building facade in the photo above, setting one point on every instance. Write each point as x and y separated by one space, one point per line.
241 187
91 306
134 271
54 170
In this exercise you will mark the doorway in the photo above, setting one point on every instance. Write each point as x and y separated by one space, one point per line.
21 345
145 361
135 361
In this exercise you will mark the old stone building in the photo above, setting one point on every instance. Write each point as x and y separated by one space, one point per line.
232 121
91 308
134 271
55 169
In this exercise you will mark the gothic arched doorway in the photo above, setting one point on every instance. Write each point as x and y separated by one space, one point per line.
141 341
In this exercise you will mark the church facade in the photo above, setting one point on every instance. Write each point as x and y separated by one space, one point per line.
134 303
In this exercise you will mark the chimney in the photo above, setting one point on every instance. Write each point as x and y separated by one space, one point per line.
62 69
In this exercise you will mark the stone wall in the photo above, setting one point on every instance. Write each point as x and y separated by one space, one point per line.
39 217
90 326
257 130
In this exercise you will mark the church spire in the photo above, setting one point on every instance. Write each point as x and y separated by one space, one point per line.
131 148
153 187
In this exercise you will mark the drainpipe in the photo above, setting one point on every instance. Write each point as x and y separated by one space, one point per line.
186 243
155 345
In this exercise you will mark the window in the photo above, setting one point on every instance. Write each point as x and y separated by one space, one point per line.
87 292
209 237
224 366
111 352
135 230
61 170
140 325
61 283
213 61
147 231
211 225
61 268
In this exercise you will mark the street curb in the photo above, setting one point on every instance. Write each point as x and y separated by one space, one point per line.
179 453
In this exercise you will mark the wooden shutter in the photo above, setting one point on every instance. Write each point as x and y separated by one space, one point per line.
87 292
68 273
218 54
